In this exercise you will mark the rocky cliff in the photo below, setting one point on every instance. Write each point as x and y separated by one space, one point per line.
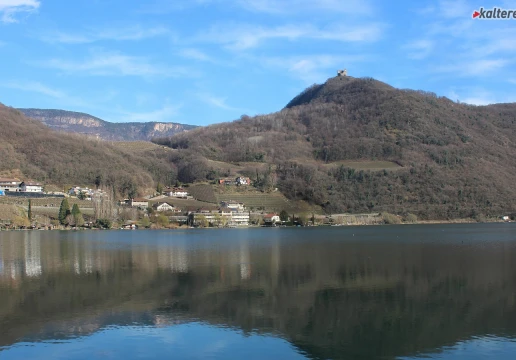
81 123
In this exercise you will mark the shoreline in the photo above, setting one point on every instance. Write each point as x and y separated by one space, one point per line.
421 222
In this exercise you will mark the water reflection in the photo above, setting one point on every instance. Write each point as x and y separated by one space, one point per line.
331 293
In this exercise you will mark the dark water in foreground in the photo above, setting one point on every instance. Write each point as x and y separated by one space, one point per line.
389 292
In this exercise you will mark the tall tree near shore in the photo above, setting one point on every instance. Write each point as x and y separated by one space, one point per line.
29 211
64 211
78 220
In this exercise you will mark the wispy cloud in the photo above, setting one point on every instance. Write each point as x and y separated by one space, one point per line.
36 87
116 64
240 37
119 34
482 67
419 49
9 9
479 96
218 102
313 68
286 7
195 54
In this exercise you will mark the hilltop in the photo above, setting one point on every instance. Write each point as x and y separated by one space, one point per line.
448 159
81 123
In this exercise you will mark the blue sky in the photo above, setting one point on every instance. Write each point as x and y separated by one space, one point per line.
207 61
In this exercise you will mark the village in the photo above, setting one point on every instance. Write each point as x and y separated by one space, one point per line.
169 208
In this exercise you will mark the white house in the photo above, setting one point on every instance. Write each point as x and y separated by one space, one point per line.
164 206
271 219
178 192
29 186
139 202
9 184
233 205
243 180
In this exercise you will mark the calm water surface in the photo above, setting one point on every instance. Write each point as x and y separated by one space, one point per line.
386 292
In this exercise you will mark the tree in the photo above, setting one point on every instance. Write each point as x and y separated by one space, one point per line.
159 188
78 220
64 211
98 181
145 222
162 220
81 195
29 212
283 215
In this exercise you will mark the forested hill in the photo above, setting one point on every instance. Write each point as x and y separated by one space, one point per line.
456 159
29 148
76 122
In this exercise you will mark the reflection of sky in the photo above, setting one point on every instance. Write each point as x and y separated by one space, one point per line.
186 341
478 348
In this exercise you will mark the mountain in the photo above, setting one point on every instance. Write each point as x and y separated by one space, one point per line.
76 122
32 150
360 145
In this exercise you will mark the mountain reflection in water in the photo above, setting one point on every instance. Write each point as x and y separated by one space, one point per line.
328 293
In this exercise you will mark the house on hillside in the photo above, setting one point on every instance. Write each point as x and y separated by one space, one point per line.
31 186
165 206
9 184
243 180
227 181
178 192
232 205
271 219
139 203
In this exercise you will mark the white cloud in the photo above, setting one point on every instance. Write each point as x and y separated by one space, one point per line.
455 9
240 37
286 7
194 54
479 96
479 67
120 34
10 8
219 102
34 87
117 64
419 49
313 68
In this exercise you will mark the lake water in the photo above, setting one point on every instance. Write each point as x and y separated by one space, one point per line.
379 292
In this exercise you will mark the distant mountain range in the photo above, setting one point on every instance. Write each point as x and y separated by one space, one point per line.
81 123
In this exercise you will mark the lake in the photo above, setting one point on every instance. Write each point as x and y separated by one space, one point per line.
376 292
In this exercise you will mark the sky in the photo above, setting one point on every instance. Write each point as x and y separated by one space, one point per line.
201 62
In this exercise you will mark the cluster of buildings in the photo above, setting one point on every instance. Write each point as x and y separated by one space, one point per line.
15 185
240 181
78 191
177 192
229 214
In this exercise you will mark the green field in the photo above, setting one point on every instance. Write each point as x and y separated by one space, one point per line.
270 202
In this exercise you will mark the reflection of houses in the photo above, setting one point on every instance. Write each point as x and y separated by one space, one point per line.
139 203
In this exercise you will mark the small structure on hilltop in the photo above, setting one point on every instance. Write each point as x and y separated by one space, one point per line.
342 72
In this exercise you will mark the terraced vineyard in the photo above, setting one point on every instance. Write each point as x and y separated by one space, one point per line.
185 203
269 202
203 192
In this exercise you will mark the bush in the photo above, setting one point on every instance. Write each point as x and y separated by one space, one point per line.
104 223
389 218
410 218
